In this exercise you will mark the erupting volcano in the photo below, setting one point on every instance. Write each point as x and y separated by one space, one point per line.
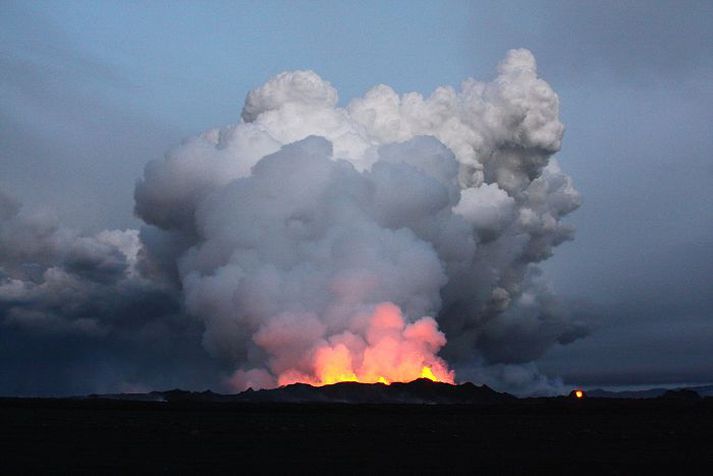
320 243
389 351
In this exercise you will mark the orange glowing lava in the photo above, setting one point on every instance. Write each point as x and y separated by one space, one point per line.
385 350
579 394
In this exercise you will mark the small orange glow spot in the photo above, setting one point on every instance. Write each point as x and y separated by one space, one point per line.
579 394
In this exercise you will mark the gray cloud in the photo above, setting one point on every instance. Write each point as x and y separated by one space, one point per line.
77 315
292 248
637 41
653 327
439 205
56 279
601 44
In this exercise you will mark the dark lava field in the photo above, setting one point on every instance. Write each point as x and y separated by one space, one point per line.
530 436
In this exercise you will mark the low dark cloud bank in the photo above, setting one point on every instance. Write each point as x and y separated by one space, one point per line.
77 315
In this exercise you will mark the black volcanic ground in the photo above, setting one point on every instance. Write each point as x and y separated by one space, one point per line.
415 427
418 392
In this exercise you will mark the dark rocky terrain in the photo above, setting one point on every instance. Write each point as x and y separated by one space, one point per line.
493 433
421 391
701 390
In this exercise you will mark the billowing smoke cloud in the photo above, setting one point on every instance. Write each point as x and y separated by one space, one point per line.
78 314
57 280
317 243
291 232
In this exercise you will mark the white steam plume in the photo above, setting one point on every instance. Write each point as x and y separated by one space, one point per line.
290 230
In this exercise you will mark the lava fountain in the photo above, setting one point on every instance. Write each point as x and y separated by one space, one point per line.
384 348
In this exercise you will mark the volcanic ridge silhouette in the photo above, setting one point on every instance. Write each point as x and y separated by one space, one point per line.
420 391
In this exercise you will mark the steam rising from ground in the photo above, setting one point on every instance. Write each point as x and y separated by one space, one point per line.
361 242
291 225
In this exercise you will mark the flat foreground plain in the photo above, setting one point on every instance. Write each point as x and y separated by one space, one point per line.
553 436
